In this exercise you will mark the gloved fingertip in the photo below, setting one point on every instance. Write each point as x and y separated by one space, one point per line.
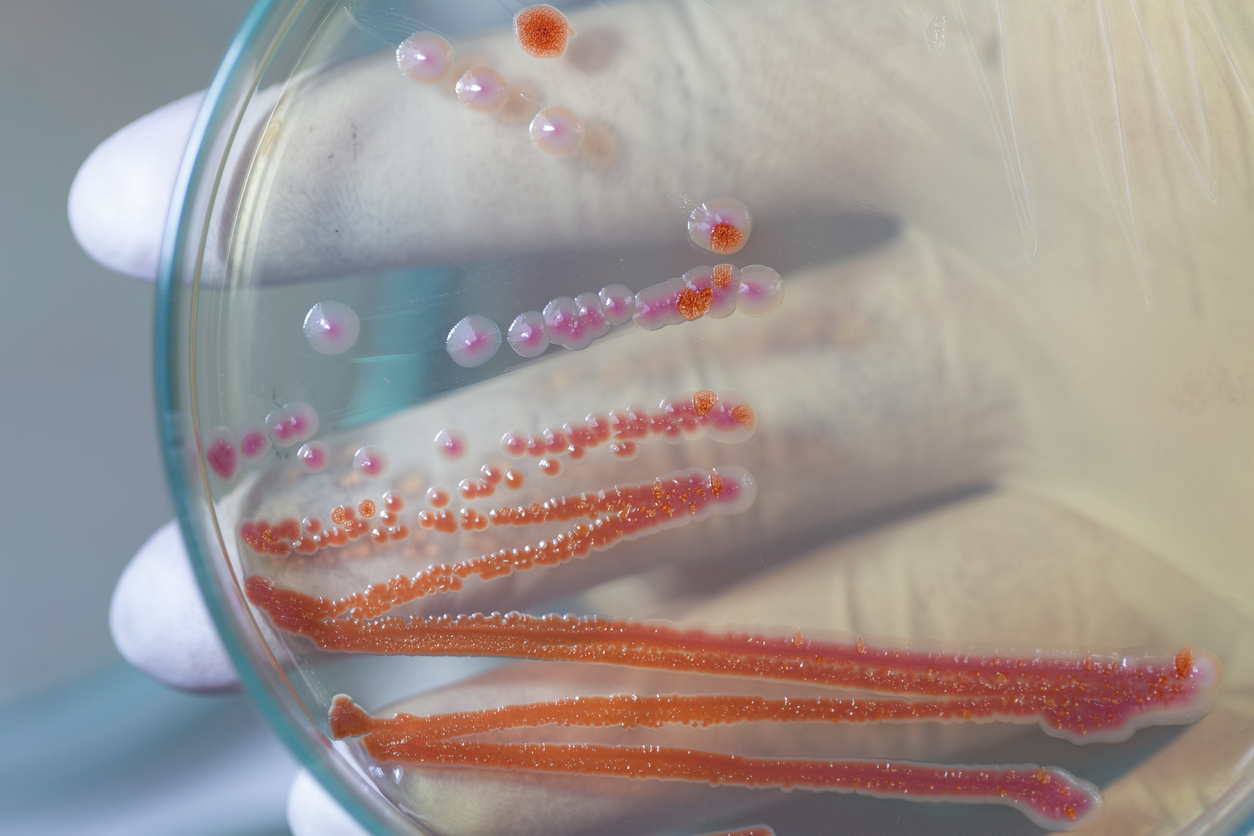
311 811
121 195
160 623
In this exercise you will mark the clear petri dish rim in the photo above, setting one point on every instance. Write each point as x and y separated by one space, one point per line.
235 83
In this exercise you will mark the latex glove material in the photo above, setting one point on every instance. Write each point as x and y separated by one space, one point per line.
1016 140
160 623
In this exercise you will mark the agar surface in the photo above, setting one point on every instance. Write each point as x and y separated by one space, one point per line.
1082 697
1078 696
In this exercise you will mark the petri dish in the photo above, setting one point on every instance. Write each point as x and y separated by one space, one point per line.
684 417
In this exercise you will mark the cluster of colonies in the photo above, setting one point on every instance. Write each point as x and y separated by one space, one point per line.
543 32
308 536
721 226
620 513
292 423
725 417
1077 696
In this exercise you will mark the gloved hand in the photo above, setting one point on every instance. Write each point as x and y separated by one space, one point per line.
1082 164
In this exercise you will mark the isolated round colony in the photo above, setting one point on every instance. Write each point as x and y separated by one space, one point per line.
855 447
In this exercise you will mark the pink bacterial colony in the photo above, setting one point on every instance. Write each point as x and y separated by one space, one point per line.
1078 696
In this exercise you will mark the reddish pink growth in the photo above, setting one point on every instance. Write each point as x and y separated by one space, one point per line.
221 457
1054 798
725 238
550 467
694 304
451 444
513 445
437 497
292 423
366 509
703 401
253 444
513 479
542 31
370 461
492 474
625 513
554 441
393 501
314 456
625 450
273 540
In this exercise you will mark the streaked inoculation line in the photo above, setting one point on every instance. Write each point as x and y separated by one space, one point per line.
1203 162
1007 133
1120 193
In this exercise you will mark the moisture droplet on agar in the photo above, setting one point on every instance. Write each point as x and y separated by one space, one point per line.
332 327
721 225
557 131
481 89
424 57
221 454
761 290
314 457
473 341
253 441
292 423
370 461
451 444
542 31
526 334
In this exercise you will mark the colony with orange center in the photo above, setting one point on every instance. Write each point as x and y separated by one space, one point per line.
1076 695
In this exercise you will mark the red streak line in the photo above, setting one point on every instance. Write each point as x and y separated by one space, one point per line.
1053 795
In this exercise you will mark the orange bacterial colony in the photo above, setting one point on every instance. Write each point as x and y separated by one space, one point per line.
1078 696
542 31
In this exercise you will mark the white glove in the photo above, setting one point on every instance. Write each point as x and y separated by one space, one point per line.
1002 147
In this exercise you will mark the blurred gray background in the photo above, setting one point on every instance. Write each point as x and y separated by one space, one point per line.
86 743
